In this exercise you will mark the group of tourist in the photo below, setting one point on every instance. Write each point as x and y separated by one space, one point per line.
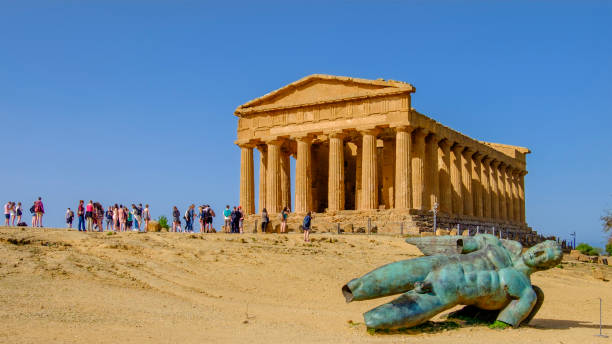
119 218
13 212
205 213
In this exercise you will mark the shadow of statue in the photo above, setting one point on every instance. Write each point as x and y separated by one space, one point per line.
559 324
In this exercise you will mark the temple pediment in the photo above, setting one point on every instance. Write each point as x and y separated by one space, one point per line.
321 89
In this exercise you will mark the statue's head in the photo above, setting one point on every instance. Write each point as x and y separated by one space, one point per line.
543 256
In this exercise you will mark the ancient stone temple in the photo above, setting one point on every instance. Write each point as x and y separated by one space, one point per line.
366 159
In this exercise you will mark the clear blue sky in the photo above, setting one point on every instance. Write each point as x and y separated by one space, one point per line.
132 101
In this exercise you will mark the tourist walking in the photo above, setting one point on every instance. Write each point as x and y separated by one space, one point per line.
7 213
89 215
122 218
147 217
13 214
176 220
33 212
264 220
116 225
109 218
210 214
69 217
241 219
227 220
40 211
18 213
99 216
137 213
81 215
189 214
202 216
306 227
283 218
235 217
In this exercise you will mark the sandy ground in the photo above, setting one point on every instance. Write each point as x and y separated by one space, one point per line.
59 286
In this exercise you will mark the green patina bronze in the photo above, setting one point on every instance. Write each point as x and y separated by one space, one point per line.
481 271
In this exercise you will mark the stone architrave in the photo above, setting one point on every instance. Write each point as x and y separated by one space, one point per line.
403 167
247 189
456 179
485 175
477 185
303 183
446 192
432 180
273 185
418 173
335 189
263 166
369 175
466 174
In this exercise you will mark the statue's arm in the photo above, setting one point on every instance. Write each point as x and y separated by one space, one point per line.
518 309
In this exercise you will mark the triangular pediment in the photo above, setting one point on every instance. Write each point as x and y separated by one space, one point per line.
318 88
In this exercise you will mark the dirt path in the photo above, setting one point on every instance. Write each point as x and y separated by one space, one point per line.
59 286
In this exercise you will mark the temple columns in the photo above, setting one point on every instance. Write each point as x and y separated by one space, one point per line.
501 191
455 167
303 183
466 174
477 185
247 189
521 192
403 167
509 200
285 166
485 175
263 166
432 180
446 193
495 196
335 188
369 175
418 173
273 182
515 196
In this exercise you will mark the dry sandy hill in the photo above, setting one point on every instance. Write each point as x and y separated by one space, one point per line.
59 286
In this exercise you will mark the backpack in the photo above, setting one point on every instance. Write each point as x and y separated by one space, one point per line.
36 207
32 209
138 211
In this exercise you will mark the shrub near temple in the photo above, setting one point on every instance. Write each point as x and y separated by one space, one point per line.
588 249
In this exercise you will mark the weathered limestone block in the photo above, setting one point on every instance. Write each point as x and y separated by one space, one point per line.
453 231
599 274
466 233
153 226
440 232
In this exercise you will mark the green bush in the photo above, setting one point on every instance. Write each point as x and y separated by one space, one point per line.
163 222
588 249
609 248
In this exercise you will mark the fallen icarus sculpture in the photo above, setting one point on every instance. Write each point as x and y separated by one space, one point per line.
481 271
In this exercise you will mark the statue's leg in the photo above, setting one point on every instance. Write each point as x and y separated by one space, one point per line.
409 310
537 306
390 279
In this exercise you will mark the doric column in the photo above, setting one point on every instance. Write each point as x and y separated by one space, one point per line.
521 192
418 175
369 175
501 191
477 185
273 185
247 189
303 182
485 176
509 200
515 197
446 193
495 196
335 186
466 175
403 167
263 166
456 180
285 167
432 180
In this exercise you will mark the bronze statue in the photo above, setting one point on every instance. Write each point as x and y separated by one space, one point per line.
481 271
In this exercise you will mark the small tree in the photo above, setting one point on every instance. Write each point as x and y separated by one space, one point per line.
607 222
163 222
609 248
